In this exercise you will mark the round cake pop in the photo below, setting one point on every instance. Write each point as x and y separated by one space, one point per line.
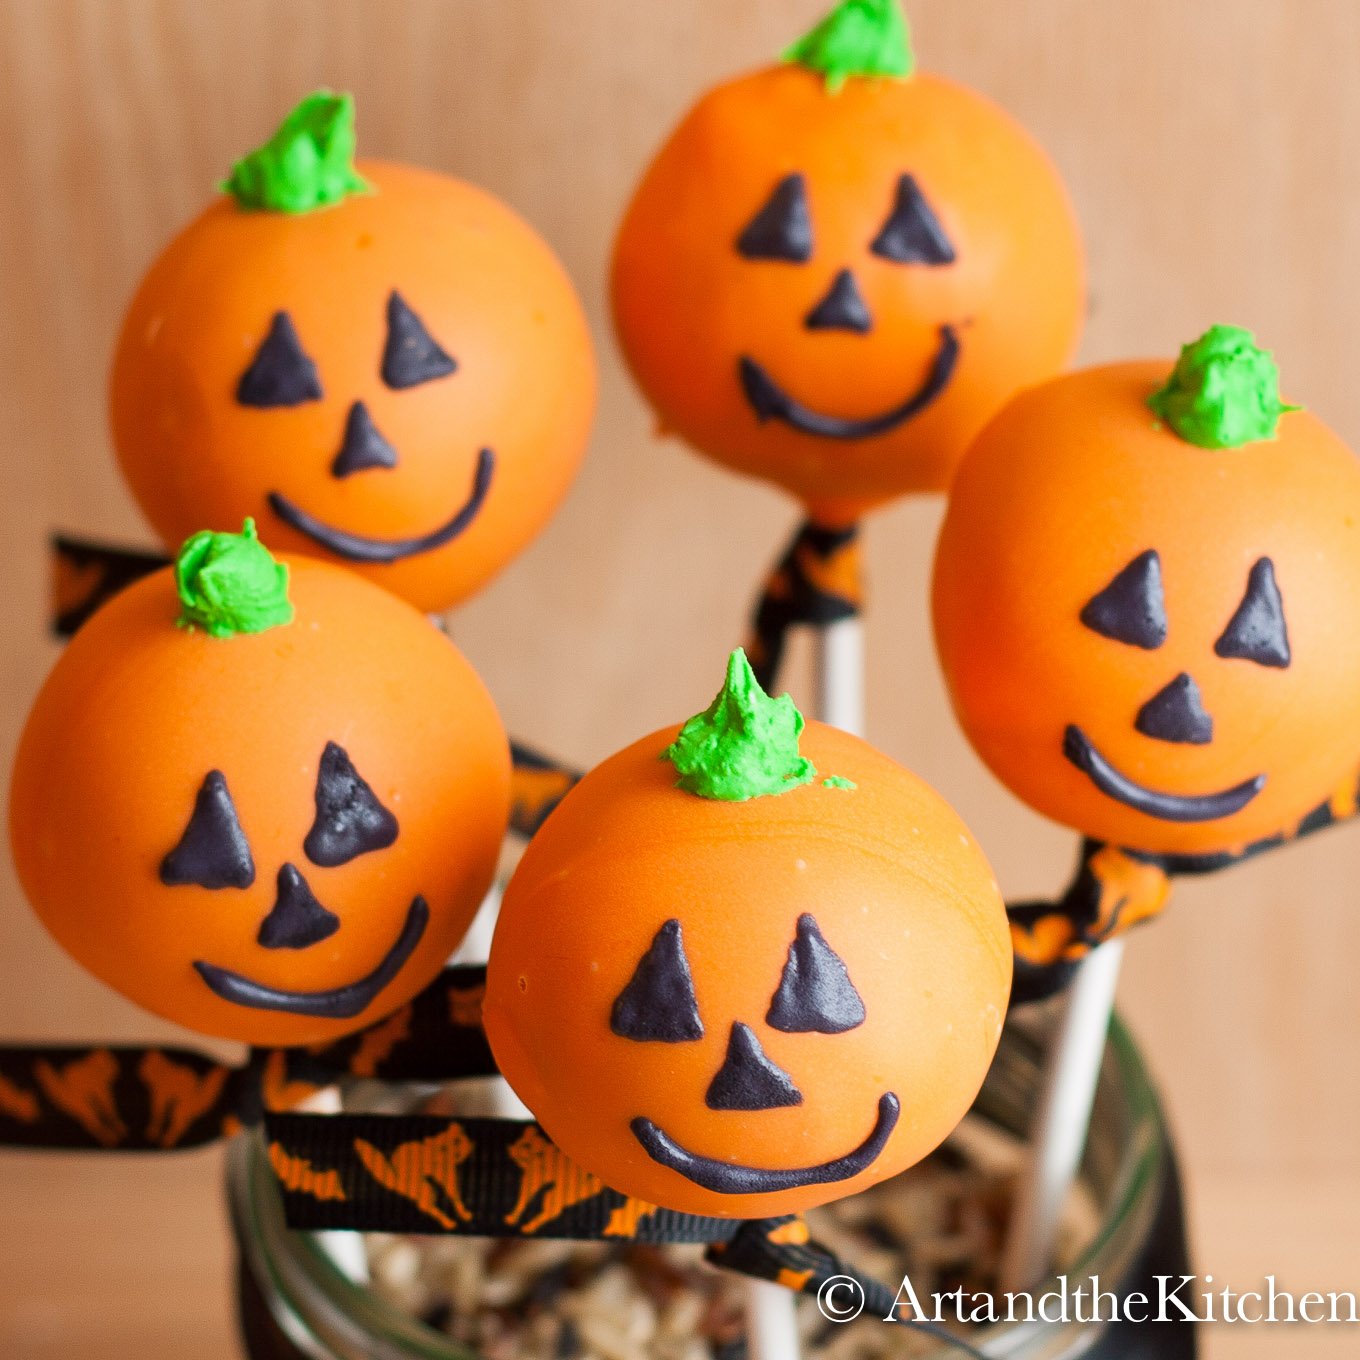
385 365
260 798
835 270
737 974
1146 599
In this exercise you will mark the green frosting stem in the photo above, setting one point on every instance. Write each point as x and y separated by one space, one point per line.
858 38
744 744
1223 392
308 163
229 584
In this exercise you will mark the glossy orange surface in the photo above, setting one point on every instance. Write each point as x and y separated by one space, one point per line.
487 289
898 889
139 710
688 305
1068 485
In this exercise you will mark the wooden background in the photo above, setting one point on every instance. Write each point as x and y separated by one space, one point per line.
1213 149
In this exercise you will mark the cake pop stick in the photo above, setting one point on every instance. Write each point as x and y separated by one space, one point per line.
837 268
1143 598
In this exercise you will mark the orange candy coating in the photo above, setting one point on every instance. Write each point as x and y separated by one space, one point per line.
487 289
898 890
136 714
687 304
1069 484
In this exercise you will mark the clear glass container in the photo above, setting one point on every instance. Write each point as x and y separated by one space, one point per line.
295 1302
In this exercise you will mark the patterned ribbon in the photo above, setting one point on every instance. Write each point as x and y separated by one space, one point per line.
1116 889
818 581
139 1099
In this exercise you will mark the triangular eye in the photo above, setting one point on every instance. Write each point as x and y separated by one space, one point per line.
659 1004
912 234
815 993
212 852
1257 632
782 229
350 821
1132 608
280 374
411 355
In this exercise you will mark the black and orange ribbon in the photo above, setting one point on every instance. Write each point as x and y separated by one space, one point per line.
818 581
1115 889
153 1099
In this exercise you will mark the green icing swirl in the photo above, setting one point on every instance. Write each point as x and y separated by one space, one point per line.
307 164
743 745
858 38
230 584
1223 392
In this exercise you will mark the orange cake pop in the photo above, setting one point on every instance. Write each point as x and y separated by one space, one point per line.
384 364
1146 600
835 270
260 798
737 975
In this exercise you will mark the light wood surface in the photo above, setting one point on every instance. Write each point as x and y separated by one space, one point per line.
1211 148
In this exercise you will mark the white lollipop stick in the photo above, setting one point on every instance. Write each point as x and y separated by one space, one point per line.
838 663
838 670
1063 1118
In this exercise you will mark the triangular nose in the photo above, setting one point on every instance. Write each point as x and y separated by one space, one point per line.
1176 713
748 1080
297 919
841 309
363 446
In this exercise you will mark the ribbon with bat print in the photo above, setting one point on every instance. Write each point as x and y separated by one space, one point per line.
477 1177
155 1099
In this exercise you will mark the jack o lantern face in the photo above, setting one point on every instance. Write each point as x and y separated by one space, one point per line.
274 837
401 382
834 291
1148 640
748 1008
815 995
214 853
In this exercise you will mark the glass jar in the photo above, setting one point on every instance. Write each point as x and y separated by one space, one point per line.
296 1303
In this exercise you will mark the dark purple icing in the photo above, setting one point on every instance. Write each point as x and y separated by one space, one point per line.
336 1003
213 851
296 919
1176 713
842 308
1257 632
361 548
280 374
912 234
769 401
815 993
782 229
658 1004
731 1178
363 446
411 355
350 821
1131 608
748 1080
1168 807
